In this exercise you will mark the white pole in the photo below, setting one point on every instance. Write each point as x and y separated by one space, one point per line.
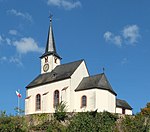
18 103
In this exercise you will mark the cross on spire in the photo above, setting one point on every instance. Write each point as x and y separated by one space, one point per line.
103 69
50 45
50 16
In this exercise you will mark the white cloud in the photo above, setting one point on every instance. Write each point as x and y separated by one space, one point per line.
131 33
25 45
117 40
11 59
4 58
124 61
5 40
13 32
8 41
26 16
1 39
110 37
15 60
64 3
54 2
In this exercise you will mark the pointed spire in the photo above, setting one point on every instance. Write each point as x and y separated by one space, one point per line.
50 45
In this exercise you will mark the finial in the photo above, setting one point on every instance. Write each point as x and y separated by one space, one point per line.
103 69
50 16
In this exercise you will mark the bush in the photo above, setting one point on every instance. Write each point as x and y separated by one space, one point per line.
60 112
92 122
12 123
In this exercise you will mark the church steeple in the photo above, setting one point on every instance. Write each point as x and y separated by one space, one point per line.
50 59
50 45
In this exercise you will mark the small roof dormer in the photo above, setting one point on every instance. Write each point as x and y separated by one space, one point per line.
50 45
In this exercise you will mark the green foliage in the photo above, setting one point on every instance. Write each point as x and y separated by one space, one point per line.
106 122
49 126
56 126
146 111
60 112
92 122
81 122
39 118
77 122
133 124
138 123
11 123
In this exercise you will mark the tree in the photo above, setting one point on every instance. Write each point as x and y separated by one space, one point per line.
146 111
92 122
60 112
138 123
12 123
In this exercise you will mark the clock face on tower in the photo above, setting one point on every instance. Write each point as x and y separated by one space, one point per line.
45 67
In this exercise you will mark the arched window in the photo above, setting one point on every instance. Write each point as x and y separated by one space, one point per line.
38 102
56 98
83 101
123 110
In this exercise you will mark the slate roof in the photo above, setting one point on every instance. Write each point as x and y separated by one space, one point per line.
60 72
123 104
97 81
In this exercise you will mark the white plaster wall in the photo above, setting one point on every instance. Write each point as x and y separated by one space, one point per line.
46 100
105 101
51 63
90 94
111 102
118 110
99 99
76 78
27 105
127 111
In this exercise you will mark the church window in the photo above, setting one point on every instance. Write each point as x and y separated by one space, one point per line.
38 102
46 59
83 101
55 60
56 98
123 111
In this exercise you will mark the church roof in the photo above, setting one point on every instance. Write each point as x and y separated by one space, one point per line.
123 104
60 72
50 45
97 81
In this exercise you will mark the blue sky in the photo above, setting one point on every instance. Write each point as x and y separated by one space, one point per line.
105 33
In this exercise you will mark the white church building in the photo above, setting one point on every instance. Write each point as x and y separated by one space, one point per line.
72 84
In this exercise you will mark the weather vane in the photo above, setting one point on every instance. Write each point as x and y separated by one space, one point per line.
103 69
50 16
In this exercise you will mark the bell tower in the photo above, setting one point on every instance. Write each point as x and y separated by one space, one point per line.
50 59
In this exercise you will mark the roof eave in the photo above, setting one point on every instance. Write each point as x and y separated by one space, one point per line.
76 90
28 87
124 107
50 53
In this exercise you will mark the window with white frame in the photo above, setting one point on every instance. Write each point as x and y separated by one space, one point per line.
83 101
38 102
56 98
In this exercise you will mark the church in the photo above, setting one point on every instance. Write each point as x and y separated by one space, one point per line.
70 83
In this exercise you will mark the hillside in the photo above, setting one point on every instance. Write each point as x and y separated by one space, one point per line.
77 122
